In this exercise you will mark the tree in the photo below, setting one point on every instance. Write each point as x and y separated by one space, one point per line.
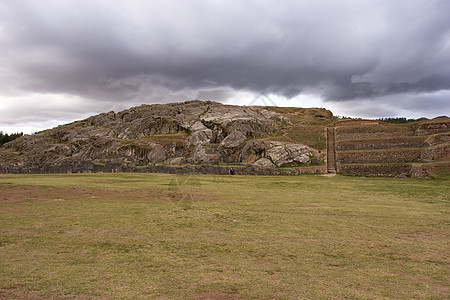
399 120
5 138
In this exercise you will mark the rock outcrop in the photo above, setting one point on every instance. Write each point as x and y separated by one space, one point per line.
193 132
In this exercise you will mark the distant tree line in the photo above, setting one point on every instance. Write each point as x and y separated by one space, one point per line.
345 118
4 137
399 120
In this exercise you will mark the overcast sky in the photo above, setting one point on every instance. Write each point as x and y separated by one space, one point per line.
64 60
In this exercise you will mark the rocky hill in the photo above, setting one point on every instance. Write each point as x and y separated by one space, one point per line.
209 137
192 133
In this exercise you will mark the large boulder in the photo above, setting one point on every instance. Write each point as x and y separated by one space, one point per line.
234 140
176 161
197 126
200 133
144 153
103 119
201 137
289 155
256 149
263 162
203 155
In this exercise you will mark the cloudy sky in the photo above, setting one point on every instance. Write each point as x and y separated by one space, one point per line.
64 60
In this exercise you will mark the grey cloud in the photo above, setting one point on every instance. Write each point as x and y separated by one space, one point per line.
216 94
412 106
127 50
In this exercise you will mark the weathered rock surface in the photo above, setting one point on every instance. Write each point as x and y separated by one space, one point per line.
143 153
289 155
256 149
176 161
234 140
202 136
263 162
193 132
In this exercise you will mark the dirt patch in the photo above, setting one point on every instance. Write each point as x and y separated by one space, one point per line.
17 194
420 236
216 296
329 175
22 294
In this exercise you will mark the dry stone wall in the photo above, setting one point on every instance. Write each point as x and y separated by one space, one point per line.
385 170
114 167
382 143
380 156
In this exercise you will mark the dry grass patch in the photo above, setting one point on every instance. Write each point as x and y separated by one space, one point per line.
143 236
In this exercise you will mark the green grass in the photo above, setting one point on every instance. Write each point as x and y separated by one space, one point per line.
147 236
311 135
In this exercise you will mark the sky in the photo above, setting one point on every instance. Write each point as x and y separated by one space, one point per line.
65 60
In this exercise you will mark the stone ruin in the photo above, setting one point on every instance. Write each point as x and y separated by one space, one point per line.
372 148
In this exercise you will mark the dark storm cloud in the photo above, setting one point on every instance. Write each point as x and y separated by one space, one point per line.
122 50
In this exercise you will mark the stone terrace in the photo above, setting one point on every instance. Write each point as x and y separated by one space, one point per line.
372 148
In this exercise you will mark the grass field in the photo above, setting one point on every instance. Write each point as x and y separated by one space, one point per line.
149 236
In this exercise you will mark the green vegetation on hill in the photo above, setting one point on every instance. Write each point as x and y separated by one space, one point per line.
148 236
307 126
400 120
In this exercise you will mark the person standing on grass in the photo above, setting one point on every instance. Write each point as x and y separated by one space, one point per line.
232 171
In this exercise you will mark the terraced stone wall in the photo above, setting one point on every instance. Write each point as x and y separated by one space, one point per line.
372 148
90 167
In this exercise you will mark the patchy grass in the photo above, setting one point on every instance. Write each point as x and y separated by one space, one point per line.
311 135
144 236
307 126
